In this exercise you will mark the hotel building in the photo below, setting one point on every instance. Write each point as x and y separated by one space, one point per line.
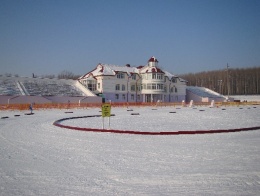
147 83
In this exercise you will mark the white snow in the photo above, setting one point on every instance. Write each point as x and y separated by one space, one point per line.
107 69
160 119
38 158
246 97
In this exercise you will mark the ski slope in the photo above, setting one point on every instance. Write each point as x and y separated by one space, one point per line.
37 158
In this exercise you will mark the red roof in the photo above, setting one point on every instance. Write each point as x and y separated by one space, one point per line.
140 66
153 59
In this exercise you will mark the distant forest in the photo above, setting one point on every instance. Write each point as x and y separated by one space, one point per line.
228 81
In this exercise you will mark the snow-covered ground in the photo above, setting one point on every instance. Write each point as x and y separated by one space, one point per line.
38 158
246 97
165 119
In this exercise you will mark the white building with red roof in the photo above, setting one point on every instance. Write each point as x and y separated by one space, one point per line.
147 83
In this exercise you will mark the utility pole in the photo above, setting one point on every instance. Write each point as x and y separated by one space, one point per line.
227 80
220 86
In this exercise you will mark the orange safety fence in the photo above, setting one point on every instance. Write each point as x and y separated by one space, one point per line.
37 106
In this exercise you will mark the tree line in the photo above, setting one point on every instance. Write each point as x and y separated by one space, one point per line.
62 75
239 81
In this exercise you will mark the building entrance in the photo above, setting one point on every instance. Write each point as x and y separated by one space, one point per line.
153 97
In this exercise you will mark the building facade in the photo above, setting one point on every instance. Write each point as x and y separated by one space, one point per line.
146 83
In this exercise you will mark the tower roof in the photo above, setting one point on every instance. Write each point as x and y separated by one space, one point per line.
152 59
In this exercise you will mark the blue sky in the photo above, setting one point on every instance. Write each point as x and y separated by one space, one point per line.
49 36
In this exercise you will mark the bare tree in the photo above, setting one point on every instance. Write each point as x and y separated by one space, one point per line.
68 75
235 81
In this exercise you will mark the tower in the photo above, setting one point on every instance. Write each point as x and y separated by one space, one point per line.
153 62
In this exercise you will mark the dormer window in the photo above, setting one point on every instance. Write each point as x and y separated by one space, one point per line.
120 75
174 80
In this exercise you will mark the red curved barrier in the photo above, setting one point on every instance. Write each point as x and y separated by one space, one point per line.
57 123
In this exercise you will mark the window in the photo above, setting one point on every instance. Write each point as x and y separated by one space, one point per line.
149 86
174 80
134 77
132 87
176 90
143 86
120 75
98 85
139 88
159 76
117 96
91 84
132 97
155 76
172 89
160 86
123 96
153 86
123 87
138 97
117 87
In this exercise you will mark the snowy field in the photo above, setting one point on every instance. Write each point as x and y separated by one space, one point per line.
246 97
38 158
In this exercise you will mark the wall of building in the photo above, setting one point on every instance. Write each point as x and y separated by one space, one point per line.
108 89
122 97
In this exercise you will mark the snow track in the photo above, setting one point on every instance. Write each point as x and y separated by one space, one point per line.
58 124
37 158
